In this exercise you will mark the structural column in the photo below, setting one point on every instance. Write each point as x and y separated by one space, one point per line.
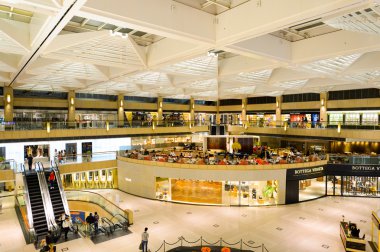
120 110
8 104
278 111
244 111
323 109
217 119
71 109
192 107
159 110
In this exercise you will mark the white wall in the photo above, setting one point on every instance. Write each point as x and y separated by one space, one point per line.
139 179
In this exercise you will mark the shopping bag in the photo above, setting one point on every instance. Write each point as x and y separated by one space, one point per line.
140 247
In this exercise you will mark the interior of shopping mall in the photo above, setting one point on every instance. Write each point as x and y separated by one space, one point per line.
218 125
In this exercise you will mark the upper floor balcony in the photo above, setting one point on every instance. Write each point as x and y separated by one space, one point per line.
10 131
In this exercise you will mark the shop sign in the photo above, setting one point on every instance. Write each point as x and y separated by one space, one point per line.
305 173
353 170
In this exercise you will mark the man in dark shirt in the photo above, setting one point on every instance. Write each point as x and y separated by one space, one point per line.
90 220
30 161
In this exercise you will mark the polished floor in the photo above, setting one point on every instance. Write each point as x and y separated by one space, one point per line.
310 226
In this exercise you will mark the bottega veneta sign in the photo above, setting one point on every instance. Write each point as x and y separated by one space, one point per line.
308 171
365 168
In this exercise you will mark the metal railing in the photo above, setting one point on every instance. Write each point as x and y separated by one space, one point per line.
28 205
98 124
46 199
60 186
201 242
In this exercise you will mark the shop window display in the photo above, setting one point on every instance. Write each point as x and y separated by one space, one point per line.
162 189
312 188
361 186
104 178
242 193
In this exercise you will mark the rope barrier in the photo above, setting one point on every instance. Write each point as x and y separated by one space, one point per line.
210 243
220 241
231 244
183 238
171 244
160 247
251 246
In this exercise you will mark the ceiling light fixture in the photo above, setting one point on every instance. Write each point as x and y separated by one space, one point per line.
8 98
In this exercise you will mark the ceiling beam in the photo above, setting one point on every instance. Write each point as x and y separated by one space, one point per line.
168 51
16 31
256 20
56 24
164 18
332 45
139 50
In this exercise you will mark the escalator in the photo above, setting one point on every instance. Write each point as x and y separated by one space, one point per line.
40 220
57 194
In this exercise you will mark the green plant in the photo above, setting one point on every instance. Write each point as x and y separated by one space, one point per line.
2 159
236 146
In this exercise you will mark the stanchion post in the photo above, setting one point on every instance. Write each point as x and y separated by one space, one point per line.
201 241
221 242
181 240
164 246
241 244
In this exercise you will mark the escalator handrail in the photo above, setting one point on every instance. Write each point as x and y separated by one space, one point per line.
27 201
55 168
46 200
126 219
109 223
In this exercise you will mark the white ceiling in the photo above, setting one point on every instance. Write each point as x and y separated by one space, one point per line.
204 49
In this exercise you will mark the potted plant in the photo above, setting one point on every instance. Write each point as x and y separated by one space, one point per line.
236 146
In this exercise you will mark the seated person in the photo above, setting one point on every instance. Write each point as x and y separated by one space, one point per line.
355 232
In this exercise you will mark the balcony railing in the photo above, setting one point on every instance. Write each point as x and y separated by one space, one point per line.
97 124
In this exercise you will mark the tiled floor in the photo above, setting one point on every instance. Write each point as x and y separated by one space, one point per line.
310 226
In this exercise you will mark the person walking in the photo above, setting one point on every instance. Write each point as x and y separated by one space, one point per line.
51 179
66 226
96 222
30 161
90 220
144 240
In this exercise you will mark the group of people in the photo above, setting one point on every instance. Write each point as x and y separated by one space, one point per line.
93 220
261 155
48 244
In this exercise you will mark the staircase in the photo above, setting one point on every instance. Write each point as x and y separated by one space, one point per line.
55 196
37 205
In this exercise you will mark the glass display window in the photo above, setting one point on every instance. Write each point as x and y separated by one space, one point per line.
312 188
103 178
335 118
370 119
163 188
352 119
361 186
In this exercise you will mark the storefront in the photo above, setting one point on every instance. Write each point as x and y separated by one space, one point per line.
262 119
227 193
103 178
302 119
95 119
353 180
305 184
353 117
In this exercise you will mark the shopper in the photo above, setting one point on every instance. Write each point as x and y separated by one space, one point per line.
30 161
61 219
144 240
50 241
66 226
90 220
51 179
96 222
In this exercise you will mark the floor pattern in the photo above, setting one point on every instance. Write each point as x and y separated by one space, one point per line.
310 226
